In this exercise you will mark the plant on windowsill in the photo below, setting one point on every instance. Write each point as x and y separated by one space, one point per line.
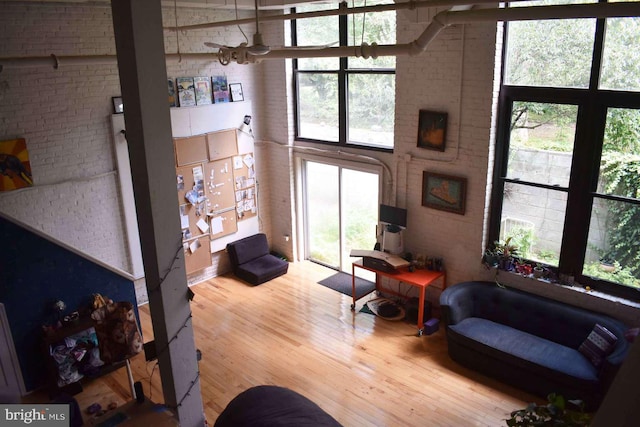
502 256
538 271
554 413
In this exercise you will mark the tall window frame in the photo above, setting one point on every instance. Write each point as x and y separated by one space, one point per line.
343 73
582 190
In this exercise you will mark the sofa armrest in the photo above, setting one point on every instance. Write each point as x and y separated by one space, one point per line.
457 302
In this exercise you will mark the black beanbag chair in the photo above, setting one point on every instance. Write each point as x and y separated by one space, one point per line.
273 406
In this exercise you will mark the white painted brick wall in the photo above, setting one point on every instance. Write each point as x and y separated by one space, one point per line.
432 80
64 115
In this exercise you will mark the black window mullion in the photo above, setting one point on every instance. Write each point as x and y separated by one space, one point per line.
500 163
585 168
596 61
343 106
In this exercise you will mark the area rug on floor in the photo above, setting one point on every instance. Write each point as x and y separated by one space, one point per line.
341 282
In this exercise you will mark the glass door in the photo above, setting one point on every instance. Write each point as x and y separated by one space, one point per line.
341 212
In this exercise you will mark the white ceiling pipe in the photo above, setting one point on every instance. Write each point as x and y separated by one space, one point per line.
58 61
446 18
334 12
55 61
440 21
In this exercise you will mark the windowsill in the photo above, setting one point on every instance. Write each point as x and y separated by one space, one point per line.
623 309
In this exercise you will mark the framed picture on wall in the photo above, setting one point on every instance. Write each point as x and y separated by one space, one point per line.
172 93
186 91
220 89
202 87
444 192
236 92
432 130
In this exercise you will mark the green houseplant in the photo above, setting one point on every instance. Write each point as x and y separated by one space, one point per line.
502 255
554 413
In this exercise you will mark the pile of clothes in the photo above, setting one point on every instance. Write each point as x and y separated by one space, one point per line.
76 356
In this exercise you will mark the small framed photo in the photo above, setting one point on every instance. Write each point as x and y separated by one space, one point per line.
118 105
432 130
236 92
444 192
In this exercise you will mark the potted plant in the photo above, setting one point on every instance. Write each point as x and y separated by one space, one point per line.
538 271
607 264
554 413
506 252
490 258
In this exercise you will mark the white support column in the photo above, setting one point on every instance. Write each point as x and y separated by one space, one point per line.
143 79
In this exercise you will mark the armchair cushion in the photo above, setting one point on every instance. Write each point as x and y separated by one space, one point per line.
251 261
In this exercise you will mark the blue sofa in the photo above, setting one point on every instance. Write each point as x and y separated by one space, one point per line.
528 341
251 261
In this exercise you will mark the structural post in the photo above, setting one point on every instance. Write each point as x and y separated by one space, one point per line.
143 80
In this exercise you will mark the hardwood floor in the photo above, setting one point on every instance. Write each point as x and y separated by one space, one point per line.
292 332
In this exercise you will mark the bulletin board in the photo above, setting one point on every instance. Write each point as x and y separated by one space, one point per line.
190 150
244 179
213 209
222 144
219 187
184 182
196 254
223 224
194 221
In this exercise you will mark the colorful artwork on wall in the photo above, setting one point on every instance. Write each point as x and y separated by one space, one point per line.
15 169
220 89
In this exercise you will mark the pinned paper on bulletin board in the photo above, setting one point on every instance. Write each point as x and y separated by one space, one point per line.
237 162
184 217
248 160
194 246
216 225
223 223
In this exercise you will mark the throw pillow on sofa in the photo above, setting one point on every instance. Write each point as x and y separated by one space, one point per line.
598 345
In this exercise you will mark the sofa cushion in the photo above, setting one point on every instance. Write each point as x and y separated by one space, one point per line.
262 269
247 249
598 345
534 349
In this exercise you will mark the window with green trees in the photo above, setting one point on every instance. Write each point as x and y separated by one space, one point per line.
345 101
567 168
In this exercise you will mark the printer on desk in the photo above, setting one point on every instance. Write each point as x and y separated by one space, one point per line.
379 260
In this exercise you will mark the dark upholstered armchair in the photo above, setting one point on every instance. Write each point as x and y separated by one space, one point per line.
252 262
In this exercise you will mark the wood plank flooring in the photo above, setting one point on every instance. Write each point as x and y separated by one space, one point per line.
292 332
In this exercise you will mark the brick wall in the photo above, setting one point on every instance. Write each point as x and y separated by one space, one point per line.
64 115
455 75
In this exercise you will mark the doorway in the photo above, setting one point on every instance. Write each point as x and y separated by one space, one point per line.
341 202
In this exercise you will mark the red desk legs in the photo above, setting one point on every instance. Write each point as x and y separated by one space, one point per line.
353 286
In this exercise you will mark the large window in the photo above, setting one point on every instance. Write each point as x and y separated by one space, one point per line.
567 177
345 101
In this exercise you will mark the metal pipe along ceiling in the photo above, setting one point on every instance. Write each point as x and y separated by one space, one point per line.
411 4
419 45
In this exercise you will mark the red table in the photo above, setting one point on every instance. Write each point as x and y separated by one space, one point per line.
418 278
